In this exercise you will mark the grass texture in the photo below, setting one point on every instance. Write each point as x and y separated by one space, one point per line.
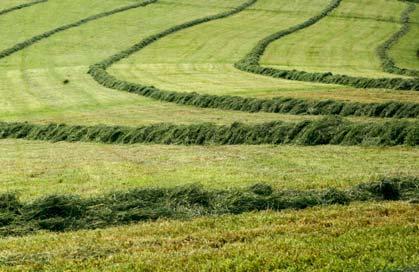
67 212
21 6
251 62
32 169
329 130
332 238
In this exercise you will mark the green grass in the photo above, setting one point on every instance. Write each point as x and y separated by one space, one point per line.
359 237
33 169
405 52
187 61
6 4
344 42
32 88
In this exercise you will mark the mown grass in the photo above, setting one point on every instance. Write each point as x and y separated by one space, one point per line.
206 66
8 4
359 237
48 83
33 169
59 213
405 52
347 43
32 85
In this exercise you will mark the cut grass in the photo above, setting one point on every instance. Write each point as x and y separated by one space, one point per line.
33 169
203 65
359 237
405 52
60 213
9 6
32 85
343 42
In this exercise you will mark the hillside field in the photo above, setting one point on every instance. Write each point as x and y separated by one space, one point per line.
216 135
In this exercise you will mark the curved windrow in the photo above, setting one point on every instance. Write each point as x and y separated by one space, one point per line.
251 63
276 105
387 62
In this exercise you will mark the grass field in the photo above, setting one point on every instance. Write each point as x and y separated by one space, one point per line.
320 239
47 82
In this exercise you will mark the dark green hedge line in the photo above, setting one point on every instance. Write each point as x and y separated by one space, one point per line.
276 105
251 63
35 39
387 62
329 130
21 6
68 212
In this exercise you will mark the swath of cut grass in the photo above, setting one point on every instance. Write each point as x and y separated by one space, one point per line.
68 212
329 130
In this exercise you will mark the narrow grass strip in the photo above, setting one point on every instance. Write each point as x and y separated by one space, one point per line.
21 6
276 105
20 46
329 130
387 62
69 212
251 63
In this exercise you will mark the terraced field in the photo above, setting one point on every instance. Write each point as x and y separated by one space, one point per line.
188 135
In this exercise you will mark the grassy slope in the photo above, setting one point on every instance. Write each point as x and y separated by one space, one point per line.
349 36
405 51
31 84
321 238
359 237
36 168
189 61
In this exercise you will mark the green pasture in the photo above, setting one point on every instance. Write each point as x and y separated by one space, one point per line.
47 82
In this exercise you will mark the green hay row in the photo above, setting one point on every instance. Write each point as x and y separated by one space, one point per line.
251 63
387 62
276 105
21 6
329 130
20 46
68 212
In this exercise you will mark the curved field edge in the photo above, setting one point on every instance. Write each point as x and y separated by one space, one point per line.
251 63
69 212
329 130
21 6
387 62
276 105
